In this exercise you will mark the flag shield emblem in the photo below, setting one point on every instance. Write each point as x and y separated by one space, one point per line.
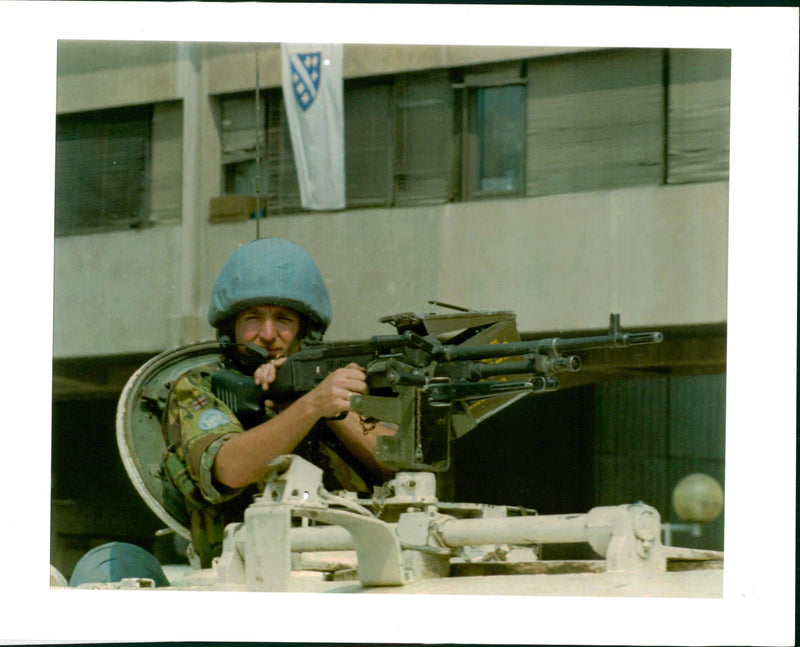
306 73
313 93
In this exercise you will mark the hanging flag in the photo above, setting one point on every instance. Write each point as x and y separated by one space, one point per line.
314 98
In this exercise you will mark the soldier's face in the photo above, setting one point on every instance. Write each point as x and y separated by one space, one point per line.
271 327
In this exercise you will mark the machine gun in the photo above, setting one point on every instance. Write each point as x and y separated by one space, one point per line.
437 378
432 390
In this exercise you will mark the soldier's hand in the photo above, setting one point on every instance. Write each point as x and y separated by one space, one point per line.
265 374
332 395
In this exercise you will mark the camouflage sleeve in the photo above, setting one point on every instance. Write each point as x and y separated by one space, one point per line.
198 424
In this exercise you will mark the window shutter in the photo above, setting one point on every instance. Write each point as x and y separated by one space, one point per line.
242 141
595 121
102 169
699 115
243 134
283 188
368 133
424 109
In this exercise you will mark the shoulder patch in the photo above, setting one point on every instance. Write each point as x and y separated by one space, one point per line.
211 419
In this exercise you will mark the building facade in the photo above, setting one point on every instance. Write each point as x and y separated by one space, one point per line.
563 184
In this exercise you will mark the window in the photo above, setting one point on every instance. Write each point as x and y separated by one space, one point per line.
368 148
499 121
257 151
241 137
495 130
102 170
398 136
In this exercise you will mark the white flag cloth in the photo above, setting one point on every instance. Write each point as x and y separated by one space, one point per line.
313 94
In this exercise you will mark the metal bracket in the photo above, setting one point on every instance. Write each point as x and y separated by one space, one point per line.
294 489
628 536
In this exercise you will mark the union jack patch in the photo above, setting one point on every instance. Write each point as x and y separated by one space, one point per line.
306 72
199 403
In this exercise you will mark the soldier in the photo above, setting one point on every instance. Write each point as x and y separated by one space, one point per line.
269 293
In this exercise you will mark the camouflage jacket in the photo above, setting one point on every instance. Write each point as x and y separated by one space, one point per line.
196 424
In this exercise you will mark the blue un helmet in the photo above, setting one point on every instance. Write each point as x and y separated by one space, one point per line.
115 561
274 271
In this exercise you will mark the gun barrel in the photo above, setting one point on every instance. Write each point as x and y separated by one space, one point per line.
634 338
550 346
616 340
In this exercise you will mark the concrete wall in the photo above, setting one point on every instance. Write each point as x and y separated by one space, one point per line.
113 293
658 255
146 72
93 75
232 67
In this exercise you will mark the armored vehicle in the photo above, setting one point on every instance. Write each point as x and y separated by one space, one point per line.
437 378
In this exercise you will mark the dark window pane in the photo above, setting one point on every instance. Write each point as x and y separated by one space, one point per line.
500 124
